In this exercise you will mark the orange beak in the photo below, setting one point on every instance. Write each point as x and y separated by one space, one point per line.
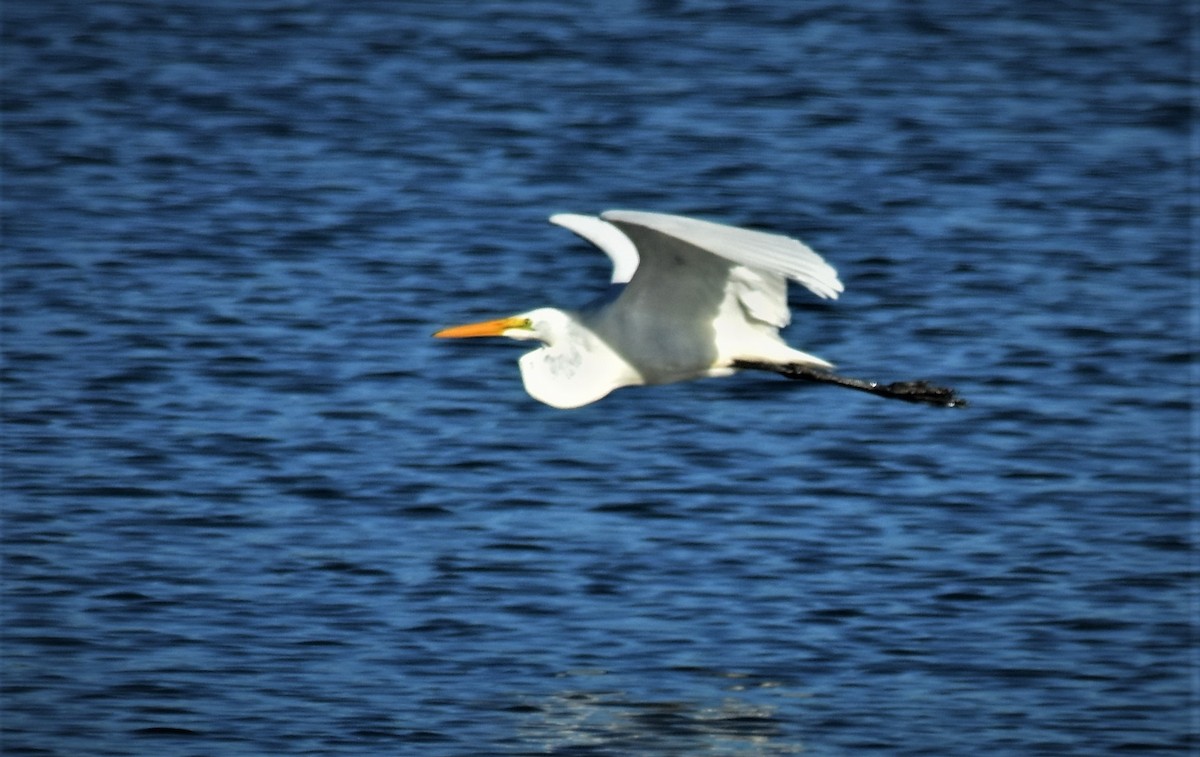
483 328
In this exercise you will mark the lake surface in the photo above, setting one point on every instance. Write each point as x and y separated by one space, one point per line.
250 507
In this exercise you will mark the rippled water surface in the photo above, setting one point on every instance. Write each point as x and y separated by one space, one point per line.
251 508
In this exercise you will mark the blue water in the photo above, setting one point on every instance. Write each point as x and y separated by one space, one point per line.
250 507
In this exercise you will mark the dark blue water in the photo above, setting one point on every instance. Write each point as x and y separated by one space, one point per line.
251 508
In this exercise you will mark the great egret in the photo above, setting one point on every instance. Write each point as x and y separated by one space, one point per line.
694 298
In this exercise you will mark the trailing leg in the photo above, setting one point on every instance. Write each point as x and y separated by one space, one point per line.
921 392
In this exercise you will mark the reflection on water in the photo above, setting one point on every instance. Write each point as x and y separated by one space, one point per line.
743 721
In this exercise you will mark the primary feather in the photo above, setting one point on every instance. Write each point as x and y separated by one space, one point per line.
771 253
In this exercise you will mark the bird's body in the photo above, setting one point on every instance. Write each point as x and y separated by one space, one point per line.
697 299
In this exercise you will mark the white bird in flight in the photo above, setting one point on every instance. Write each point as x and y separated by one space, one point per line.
693 298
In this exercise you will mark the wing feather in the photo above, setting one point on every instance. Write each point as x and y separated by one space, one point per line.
611 240
757 250
763 295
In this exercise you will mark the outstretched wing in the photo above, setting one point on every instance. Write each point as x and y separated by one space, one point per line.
608 238
691 267
757 250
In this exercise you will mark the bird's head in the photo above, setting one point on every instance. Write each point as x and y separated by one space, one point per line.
536 324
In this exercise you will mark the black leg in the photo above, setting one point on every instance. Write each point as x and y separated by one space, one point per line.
921 392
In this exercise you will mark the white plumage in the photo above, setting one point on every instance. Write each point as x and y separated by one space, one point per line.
698 299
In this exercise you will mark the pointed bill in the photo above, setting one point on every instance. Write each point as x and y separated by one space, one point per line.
483 328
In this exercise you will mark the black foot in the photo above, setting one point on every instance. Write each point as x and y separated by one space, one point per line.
920 392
